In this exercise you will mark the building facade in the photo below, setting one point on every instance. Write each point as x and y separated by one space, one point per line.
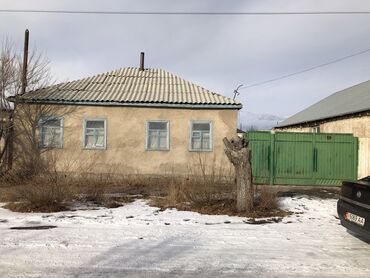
133 121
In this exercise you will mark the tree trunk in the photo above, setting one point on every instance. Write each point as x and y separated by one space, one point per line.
240 156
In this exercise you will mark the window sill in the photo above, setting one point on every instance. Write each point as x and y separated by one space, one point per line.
95 148
157 150
201 150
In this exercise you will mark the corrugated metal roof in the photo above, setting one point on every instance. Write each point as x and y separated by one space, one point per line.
348 101
130 86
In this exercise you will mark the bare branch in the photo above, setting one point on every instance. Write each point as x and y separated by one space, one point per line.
38 75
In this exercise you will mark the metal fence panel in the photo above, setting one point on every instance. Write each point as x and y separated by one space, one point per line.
303 158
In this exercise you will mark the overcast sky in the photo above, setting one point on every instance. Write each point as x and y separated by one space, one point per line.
216 52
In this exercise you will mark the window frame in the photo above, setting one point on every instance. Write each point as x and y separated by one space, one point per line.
40 127
210 135
167 137
315 129
84 134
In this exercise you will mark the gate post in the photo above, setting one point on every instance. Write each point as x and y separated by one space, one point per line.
356 157
272 156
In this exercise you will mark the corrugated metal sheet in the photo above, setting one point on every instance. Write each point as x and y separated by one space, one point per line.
352 100
130 85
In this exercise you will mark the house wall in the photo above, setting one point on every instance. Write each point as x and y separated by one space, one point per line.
358 126
125 151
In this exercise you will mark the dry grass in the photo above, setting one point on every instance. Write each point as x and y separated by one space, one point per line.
266 198
207 198
205 189
42 194
37 196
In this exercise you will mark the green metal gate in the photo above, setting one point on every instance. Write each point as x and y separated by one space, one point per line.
303 158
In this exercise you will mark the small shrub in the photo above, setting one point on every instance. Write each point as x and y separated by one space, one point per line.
206 197
5 194
196 192
267 199
38 196
176 194
94 193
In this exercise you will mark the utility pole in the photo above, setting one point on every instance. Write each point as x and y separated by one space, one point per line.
12 112
25 61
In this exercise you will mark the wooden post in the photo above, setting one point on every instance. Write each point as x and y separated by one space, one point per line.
25 61
240 156
10 145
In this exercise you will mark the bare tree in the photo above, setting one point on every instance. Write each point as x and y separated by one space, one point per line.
38 75
240 156
8 79
8 71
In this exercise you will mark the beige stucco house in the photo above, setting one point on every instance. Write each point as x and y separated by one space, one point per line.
347 111
134 121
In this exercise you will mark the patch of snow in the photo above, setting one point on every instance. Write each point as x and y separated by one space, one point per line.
139 240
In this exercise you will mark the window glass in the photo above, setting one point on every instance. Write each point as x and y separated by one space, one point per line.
200 136
94 134
95 124
201 126
51 132
53 122
158 136
158 125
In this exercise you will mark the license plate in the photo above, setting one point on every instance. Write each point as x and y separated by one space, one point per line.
354 218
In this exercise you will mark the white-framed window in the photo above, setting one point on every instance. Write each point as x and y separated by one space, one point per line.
158 136
94 136
200 136
51 132
315 129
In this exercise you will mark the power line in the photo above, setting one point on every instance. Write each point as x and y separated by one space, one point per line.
305 70
184 13
210 14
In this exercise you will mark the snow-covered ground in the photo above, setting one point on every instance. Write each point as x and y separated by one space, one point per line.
140 241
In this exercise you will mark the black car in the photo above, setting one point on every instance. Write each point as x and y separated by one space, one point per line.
354 206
